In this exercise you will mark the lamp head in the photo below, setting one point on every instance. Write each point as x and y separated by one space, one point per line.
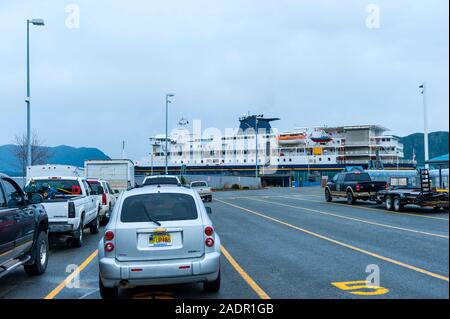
39 22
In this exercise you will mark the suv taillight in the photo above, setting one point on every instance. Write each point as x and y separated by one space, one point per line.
109 235
71 210
104 201
358 187
386 186
209 231
209 242
109 246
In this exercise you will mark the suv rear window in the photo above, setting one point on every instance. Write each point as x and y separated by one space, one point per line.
159 207
161 181
62 186
362 177
199 184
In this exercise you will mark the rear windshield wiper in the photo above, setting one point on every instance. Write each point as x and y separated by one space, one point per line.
149 217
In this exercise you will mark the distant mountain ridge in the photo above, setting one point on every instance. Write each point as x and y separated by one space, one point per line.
67 155
63 154
437 144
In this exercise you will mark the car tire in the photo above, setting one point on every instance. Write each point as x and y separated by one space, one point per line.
40 253
350 198
77 240
388 203
397 204
94 226
212 286
328 197
106 292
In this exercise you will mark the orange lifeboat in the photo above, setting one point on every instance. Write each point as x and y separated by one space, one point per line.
291 138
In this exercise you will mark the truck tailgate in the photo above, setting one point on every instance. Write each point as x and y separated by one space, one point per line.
371 187
56 211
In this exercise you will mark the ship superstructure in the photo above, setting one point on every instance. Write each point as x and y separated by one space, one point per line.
273 153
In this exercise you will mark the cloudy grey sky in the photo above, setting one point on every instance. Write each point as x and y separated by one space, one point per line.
308 62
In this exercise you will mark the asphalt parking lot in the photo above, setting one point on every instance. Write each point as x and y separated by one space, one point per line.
285 243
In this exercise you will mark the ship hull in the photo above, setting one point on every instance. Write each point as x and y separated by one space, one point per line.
246 170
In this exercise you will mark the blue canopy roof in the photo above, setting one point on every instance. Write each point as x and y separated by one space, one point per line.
443 159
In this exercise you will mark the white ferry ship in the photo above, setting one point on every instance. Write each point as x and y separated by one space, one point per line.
302 153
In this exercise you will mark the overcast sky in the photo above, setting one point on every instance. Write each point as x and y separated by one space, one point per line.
307 62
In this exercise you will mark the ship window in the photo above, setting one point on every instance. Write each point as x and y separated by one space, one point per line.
182 162
202 161
284 160
329 159
290 160
320 159
245 161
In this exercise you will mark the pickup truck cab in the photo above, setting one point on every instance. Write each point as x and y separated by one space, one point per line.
71 206
105 196
161 180
23 230
353 186
203 190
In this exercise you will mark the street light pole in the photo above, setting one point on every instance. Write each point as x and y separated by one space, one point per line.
28 97
256 145
166 140
38 22
425 122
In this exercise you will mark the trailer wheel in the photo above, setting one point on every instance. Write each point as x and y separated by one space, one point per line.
388 203
397 204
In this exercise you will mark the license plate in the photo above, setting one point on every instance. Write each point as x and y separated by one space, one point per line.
160 240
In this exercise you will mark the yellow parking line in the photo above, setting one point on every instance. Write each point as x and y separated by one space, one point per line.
351 218
69 278
366 252
244 275
368 208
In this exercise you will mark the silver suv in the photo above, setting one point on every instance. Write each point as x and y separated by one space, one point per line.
159 235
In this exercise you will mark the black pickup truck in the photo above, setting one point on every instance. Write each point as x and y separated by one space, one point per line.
23 230
353 186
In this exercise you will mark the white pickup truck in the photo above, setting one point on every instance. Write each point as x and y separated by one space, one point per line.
203 189
71 206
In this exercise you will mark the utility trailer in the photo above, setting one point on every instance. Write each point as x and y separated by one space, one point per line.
119 173
396 198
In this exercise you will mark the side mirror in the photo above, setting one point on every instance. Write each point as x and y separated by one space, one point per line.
36 198
13 203
208 210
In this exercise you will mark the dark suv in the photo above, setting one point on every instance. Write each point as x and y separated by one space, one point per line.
23 230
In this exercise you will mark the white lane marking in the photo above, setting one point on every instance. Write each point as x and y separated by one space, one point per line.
89 293
351 218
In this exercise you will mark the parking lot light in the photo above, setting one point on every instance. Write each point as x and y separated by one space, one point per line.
37 22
